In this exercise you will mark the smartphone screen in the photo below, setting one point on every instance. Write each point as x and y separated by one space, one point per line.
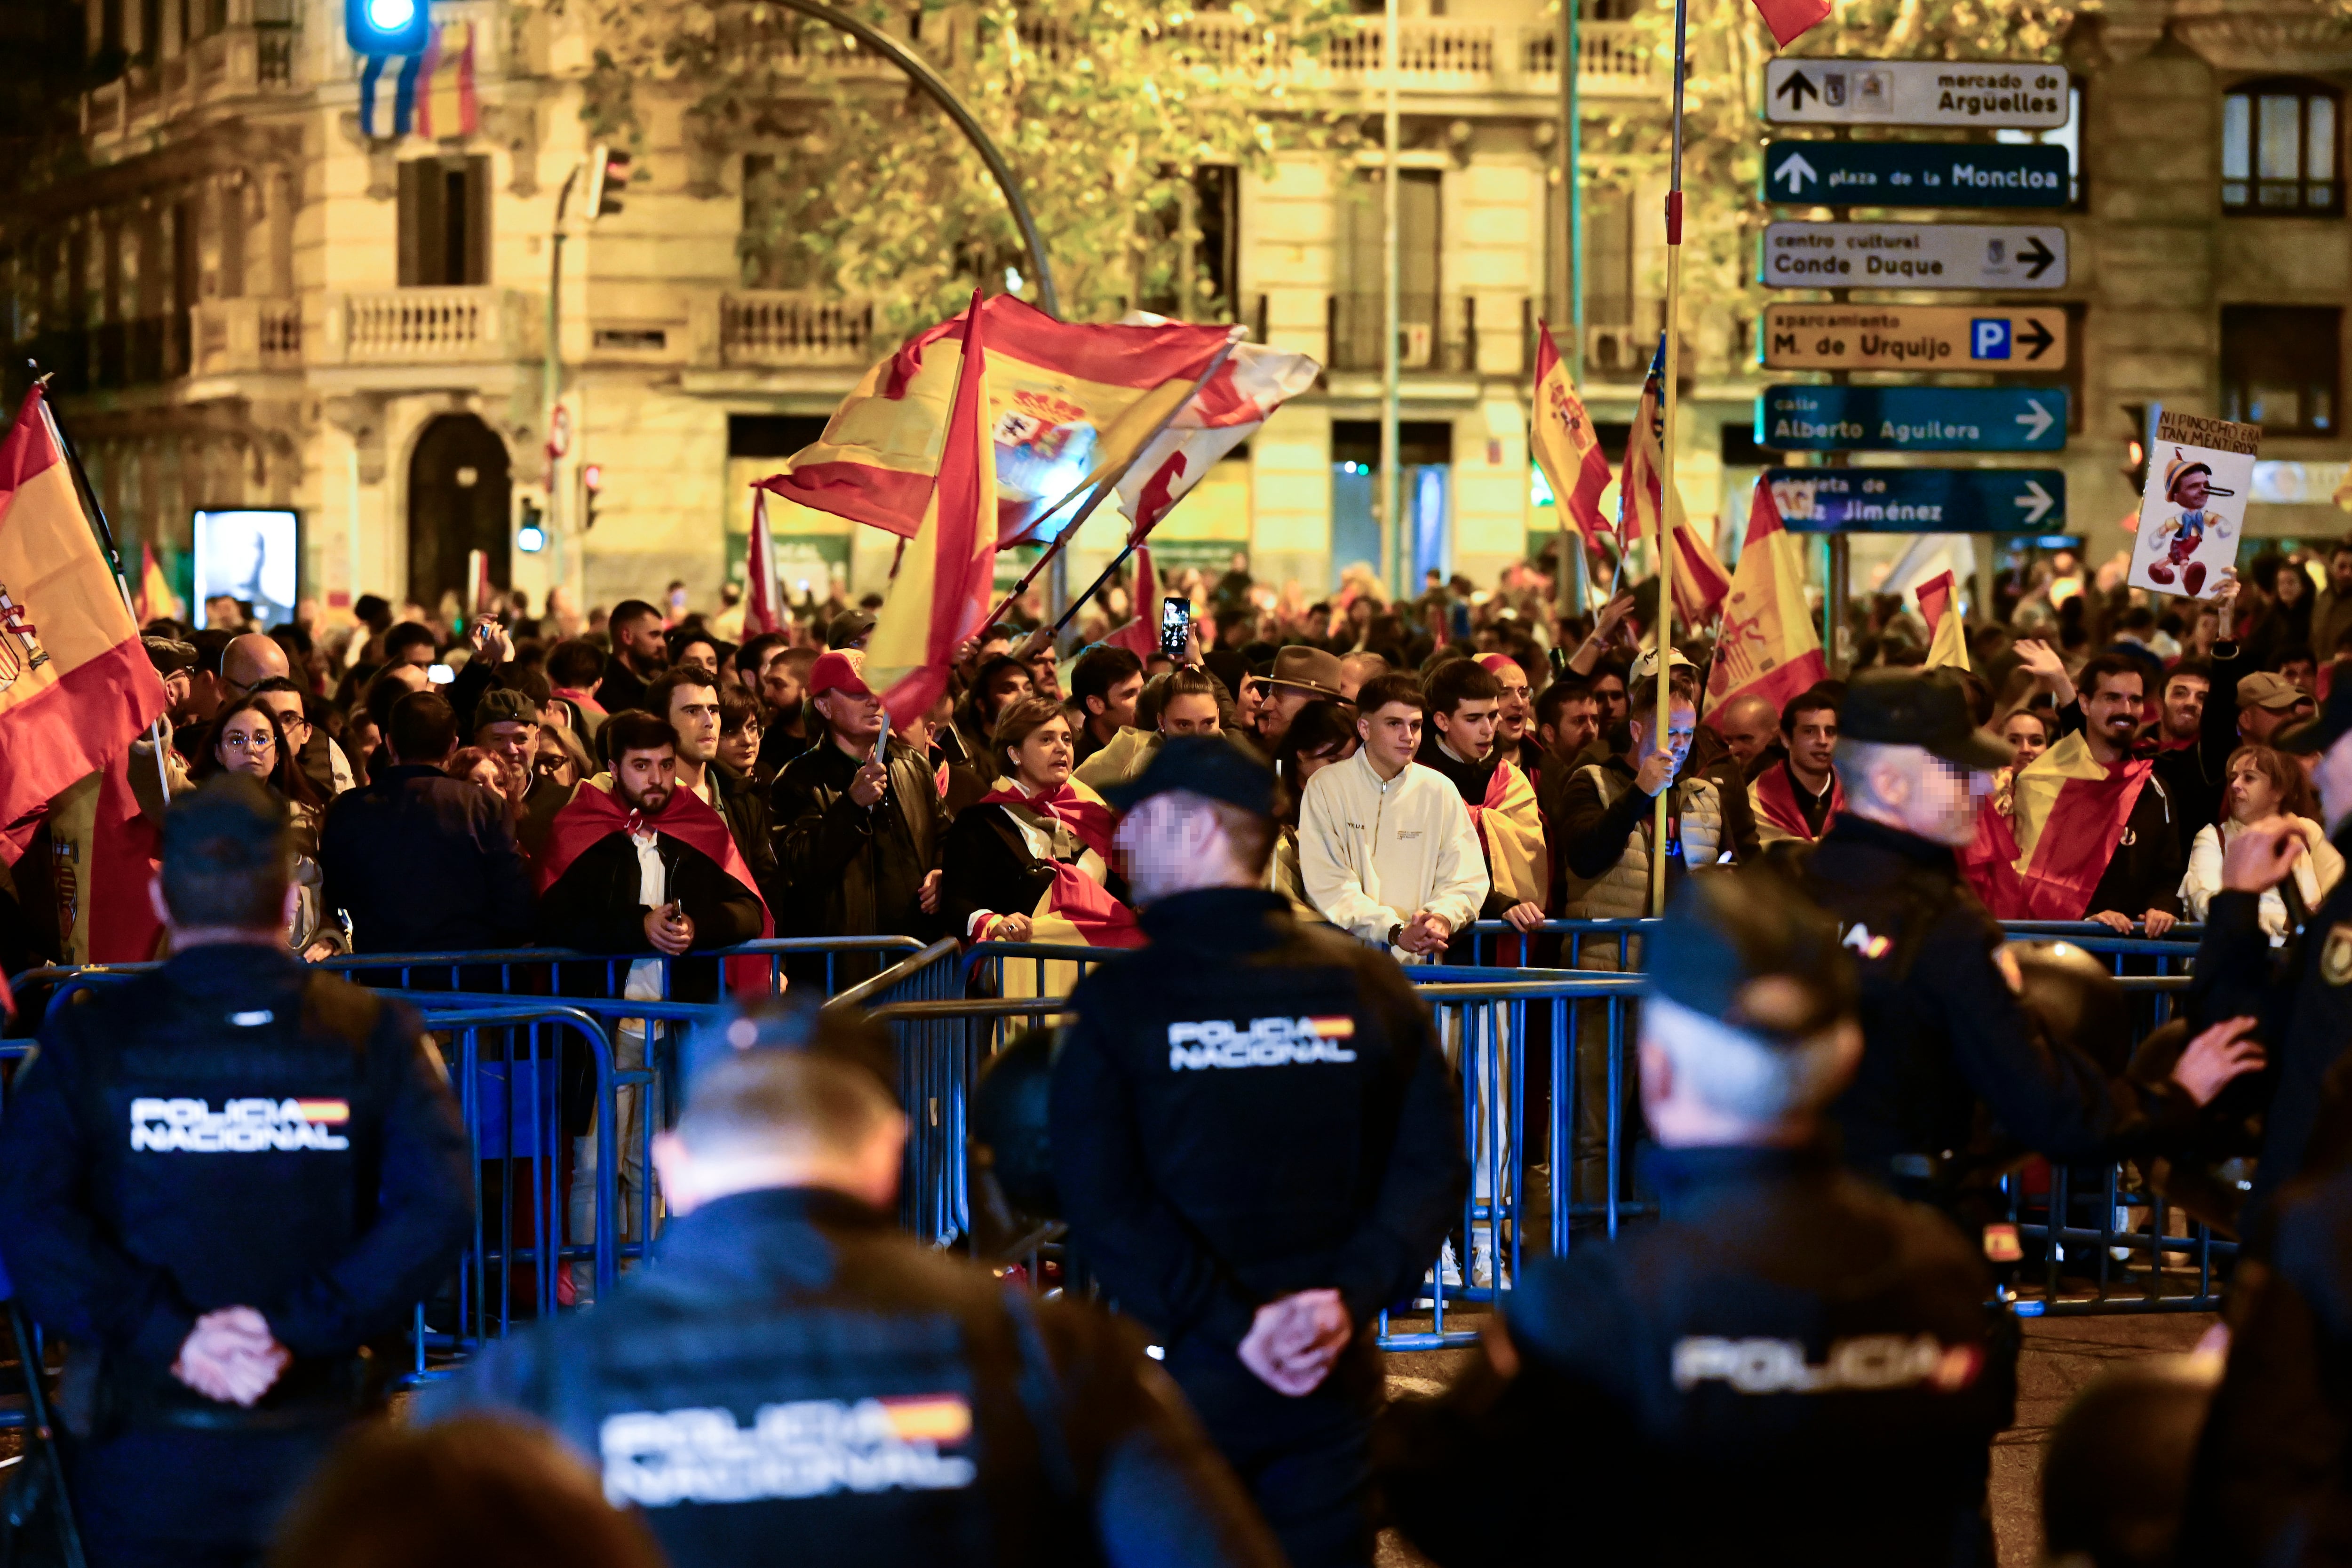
1175 628
439 674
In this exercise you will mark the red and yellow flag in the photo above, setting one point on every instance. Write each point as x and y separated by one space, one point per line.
1066 402
1947 635
940 594
1767 645
1565 445
2070 811
76 687
1650 508
1788 19
155 597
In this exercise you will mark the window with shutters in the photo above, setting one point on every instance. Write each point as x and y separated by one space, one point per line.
2282 149
444 223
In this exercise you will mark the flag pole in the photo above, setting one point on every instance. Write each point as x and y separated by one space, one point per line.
96 514
1667 493
1108 484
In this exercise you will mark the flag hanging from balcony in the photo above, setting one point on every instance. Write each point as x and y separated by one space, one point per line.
432 94
1069 403
1565 445
1767 646
76 686
1789 19
1650 506
941 589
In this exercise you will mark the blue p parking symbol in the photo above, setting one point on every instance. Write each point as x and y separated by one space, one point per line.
1989 337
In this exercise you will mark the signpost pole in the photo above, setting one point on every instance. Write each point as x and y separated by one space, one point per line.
1574 594
1391 444
1666 492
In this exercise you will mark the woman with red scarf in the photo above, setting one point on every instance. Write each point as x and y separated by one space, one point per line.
1030 860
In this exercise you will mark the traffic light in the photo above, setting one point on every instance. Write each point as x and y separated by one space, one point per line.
2135 467
531 527
608 174
381 28
591 480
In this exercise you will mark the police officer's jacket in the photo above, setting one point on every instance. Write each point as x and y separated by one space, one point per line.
2273 1483
2302 997
1942 1031
1793 1367
795 1380
1249 1107
233 1129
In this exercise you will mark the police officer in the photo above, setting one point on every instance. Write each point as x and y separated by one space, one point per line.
220 1180
1792 1357
2303 997
1942 1027
796 1379
1257 1145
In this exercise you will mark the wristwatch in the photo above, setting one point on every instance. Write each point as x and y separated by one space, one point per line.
1395 931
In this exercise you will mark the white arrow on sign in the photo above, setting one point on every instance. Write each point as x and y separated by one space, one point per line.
2036 500
2035 423
1796 171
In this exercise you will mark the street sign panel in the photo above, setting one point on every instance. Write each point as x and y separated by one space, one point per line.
1912 418
1981 94
1914 337
1914 255
1920 500
1916 174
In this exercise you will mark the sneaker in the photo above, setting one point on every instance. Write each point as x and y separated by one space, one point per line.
1448 1273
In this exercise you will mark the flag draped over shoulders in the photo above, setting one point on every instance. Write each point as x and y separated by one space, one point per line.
1510 829
2070 814
1077 910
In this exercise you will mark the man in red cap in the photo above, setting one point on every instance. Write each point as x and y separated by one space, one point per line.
859 822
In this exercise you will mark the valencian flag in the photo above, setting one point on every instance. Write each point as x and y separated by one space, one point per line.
1646 504
2044 862
1947 634
596 810
1767 645
1565 445
1789 19
763 604
1066 403
76 686
940 594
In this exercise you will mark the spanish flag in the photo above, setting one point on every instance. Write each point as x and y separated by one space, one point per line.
1948 635
1067 404
76 687
940 594
1767 645
155 596
2070 813
1649 507
1565 445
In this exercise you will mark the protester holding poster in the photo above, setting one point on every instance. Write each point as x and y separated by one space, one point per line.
2200 473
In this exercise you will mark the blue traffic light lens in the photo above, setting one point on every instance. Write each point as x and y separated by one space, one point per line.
391 15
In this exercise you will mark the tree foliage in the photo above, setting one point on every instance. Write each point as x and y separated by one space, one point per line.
1105 108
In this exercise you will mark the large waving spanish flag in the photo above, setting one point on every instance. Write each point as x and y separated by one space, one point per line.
2070 811
76 686
1767 644
1067 403
1566 447
1651 507
940 594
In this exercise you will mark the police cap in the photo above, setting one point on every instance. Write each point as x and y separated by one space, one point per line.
1896 708
1206 765
1727 932
231 825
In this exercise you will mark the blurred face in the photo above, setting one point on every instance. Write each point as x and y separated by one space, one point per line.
2302 674
1748 729
1813 742
1194 713
2290 581
2112 713
1045 681
1246 703
1391 734
511 740
2184 706
247 744
2024 731
1681 726
1043 759
924 730
1118 703
1004 687
1309 765
1929 796
641 639
1610 692
646 779
702 656
856 717
2252 796
488 773
2333 774
693 714
740 750
779 687
1469 731
552 763
2339 570
1578 722
2258 724
1517 711
285 708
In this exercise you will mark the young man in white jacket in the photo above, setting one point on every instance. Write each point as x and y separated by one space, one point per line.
1386 848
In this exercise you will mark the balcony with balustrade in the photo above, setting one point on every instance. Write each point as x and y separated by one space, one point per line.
786 329
251 53
434 327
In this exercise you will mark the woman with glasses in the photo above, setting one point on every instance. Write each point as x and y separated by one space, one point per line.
246 739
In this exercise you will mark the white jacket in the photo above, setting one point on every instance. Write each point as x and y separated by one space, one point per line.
2315 873
1374 855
